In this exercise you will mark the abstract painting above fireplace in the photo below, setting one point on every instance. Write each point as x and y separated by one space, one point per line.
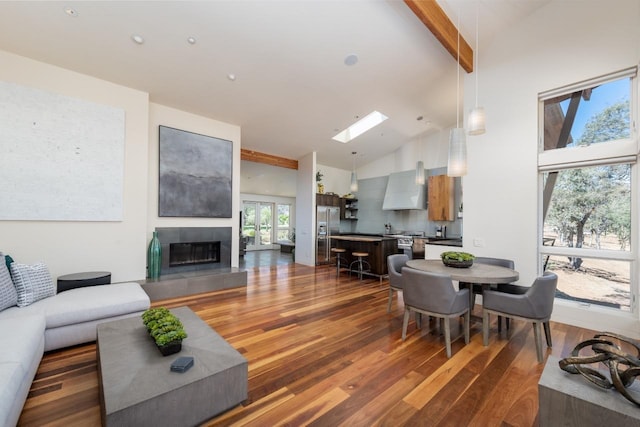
195 175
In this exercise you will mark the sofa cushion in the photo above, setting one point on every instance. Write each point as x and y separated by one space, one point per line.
90 303
12 379
8 293
22 336
33 282
20 354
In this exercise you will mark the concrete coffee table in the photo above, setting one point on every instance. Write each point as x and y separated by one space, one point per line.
137 387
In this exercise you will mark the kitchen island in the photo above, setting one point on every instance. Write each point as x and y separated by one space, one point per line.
378 248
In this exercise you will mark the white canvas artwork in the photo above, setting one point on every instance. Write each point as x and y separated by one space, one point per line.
61 158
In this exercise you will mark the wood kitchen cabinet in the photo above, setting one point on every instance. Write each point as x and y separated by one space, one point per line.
348 208
327 200
440 196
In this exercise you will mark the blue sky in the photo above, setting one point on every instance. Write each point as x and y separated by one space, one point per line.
602 97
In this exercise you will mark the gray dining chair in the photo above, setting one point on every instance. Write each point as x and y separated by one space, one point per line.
434 295
535 305
476 288
519 290
394 267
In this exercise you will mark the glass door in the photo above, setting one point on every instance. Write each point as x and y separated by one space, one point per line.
257 225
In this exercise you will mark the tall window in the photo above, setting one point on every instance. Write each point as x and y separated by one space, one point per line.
284 222
588 151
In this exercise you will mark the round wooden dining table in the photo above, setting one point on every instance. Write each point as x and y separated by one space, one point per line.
477 273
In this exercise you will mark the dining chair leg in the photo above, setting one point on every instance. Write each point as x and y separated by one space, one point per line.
447 336
485 328
419 320
390 299
547 334
405 323
467 322
500 324
538 339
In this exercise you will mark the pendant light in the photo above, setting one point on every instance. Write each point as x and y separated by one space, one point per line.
457 164
354 177
419 163
477 116
419 172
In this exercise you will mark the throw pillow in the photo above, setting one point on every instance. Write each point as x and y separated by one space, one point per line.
8 294
8 260
33 283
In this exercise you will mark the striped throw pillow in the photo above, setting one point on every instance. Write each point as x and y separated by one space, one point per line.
33 283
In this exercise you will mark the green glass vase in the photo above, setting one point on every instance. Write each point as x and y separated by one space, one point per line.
154 257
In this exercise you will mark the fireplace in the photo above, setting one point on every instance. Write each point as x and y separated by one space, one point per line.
193 253
194 248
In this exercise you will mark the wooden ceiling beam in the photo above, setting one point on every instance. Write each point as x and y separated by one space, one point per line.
432 15
268 159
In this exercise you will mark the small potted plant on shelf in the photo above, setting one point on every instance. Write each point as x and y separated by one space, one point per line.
165 329
319 183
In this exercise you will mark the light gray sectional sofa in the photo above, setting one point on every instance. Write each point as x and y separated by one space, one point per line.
53 322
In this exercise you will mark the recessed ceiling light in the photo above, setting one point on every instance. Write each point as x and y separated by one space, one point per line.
351 59
191 40
361 126
231 77
71 12
137 38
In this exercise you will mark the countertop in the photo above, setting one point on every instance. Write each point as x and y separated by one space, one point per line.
445 241
361 238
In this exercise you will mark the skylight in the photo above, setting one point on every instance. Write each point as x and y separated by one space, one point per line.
361 126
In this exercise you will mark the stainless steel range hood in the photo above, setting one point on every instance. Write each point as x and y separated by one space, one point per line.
403 193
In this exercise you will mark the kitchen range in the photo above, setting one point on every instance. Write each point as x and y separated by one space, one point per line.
413 244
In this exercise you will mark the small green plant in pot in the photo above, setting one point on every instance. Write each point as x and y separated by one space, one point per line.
457 259
165 329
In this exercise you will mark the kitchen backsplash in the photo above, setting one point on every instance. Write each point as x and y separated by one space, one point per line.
371 217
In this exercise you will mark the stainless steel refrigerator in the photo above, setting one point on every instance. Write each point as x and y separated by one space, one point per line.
327 225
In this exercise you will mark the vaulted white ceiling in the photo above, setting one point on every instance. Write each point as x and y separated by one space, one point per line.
292 90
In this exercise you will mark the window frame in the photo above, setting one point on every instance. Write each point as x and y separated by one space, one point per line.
623 151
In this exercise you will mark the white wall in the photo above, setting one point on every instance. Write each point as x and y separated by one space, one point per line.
335 180
306 210
73 246
166 116
119 247
562 43
432 149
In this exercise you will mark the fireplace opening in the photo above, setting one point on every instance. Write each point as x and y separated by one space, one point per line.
192 253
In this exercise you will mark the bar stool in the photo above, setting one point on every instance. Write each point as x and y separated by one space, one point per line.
340 259
361 264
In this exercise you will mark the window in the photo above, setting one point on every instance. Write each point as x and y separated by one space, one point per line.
586 162
284 222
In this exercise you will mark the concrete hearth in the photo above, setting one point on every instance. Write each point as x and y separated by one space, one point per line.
193 282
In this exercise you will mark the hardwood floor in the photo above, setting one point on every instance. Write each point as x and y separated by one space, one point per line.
325 352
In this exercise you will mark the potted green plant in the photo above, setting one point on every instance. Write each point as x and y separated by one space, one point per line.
165 329
319 182
457 259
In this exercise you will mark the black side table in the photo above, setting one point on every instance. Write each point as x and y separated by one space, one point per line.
78 280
